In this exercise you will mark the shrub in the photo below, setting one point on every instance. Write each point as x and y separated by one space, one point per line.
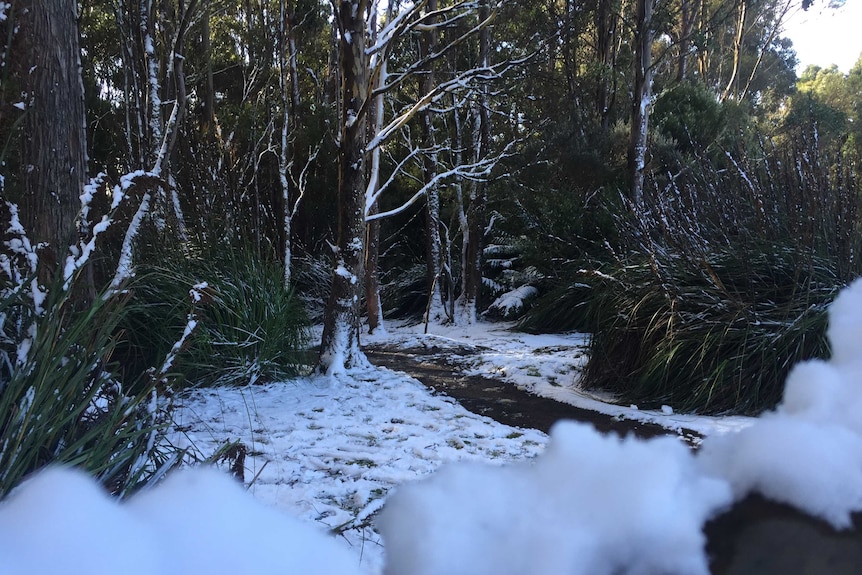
61 398
714 336
249 327
718 284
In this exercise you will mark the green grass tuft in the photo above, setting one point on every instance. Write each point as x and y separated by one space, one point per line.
249 327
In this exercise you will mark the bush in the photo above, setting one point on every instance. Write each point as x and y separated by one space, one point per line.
249 327
61 399
716 336
718 284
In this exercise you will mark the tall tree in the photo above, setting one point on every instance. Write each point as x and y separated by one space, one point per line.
362 65
339 347
433 242
641 97
474 234
54 150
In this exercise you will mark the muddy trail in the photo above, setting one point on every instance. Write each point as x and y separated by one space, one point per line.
499 400
754 537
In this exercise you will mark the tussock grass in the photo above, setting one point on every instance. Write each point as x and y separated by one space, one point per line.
719 284
718 337
250 328
62 400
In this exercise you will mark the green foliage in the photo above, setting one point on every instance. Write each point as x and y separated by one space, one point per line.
249 327
719 284
61 398
690 114
713 335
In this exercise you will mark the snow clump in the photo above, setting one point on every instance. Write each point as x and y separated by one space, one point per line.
592 504
808 452
197 521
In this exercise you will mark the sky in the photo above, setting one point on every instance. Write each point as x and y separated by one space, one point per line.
824 36
414 484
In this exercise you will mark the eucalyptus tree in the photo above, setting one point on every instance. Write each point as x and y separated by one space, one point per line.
644 72
45 62
364 77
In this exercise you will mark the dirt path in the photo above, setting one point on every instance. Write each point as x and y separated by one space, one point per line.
755 537
499 400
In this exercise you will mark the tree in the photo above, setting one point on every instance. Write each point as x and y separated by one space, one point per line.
363 65
475 221
641 97
54 149
339 348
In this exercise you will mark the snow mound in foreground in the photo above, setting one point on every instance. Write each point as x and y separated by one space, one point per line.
808 452
196 521
591 504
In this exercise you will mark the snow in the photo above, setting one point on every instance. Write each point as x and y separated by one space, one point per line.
513 301
590 505
808 452
547 365
375 457
221 530
328 449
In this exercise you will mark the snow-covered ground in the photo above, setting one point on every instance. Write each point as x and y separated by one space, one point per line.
331 451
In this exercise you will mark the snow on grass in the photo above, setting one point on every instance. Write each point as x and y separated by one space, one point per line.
329 449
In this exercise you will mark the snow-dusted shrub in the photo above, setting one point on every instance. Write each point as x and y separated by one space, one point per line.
715 335
249 327
312 280
61 397
511 304
723 278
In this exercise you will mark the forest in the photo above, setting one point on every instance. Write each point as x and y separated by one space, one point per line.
189 185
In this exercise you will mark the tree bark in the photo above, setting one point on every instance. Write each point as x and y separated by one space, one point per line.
605 22
339 347
732 87
433 246
689 10
476 212
54 147
374 308
641 99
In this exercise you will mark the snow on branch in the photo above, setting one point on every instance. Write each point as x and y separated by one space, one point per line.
477 171
26 259
79 253
124 266
462 81
423 63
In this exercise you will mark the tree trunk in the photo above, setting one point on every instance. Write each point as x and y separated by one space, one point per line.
374 309
641 97
732 87
689 10
476 212
605 25
54 147
339 347
289 104
433 246
208 119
